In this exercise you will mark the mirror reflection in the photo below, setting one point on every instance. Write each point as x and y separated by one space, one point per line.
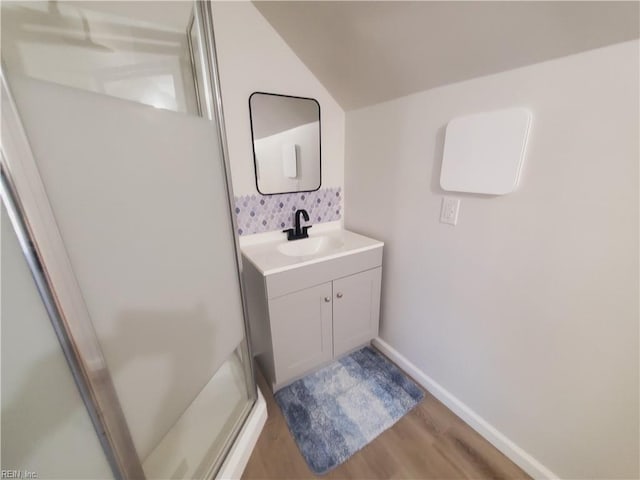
286 143
136 51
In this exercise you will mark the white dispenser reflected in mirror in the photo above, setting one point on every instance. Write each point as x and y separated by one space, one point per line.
484 152
290 160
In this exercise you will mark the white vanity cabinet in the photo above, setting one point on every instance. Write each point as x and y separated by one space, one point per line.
356 310
309 312
301 330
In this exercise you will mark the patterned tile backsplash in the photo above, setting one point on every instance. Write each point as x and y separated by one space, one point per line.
264 213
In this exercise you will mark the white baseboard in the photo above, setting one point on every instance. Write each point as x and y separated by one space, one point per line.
475 421
238 457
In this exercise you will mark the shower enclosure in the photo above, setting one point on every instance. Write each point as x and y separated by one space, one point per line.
120 267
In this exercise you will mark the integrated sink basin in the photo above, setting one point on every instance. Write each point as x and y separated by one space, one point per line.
310 246
272 252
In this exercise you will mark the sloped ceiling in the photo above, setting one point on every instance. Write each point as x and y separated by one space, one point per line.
366 52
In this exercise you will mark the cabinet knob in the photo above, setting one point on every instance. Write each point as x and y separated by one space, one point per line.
339 295
327 299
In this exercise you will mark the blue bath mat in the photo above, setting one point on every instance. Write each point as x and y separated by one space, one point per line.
334 412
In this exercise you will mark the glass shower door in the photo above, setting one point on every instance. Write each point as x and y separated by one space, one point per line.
136 183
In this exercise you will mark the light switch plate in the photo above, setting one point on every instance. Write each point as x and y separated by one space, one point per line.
449 212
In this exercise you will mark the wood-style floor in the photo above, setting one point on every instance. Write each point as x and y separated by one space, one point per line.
430 442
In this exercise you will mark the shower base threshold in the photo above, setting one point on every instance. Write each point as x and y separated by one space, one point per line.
192 444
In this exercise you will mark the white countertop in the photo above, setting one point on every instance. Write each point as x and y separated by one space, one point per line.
262 249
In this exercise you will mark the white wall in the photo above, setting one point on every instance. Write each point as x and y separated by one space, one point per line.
253 57
44 421
527 310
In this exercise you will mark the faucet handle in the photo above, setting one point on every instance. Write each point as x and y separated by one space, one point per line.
289 232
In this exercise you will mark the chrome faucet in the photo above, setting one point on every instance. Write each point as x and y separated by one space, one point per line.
298 233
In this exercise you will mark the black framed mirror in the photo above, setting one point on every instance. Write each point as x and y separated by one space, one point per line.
285 132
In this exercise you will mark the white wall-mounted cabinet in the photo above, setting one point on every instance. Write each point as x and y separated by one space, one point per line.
308 315
484 152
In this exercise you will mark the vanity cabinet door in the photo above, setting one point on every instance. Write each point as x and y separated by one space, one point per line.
301 331
356 310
